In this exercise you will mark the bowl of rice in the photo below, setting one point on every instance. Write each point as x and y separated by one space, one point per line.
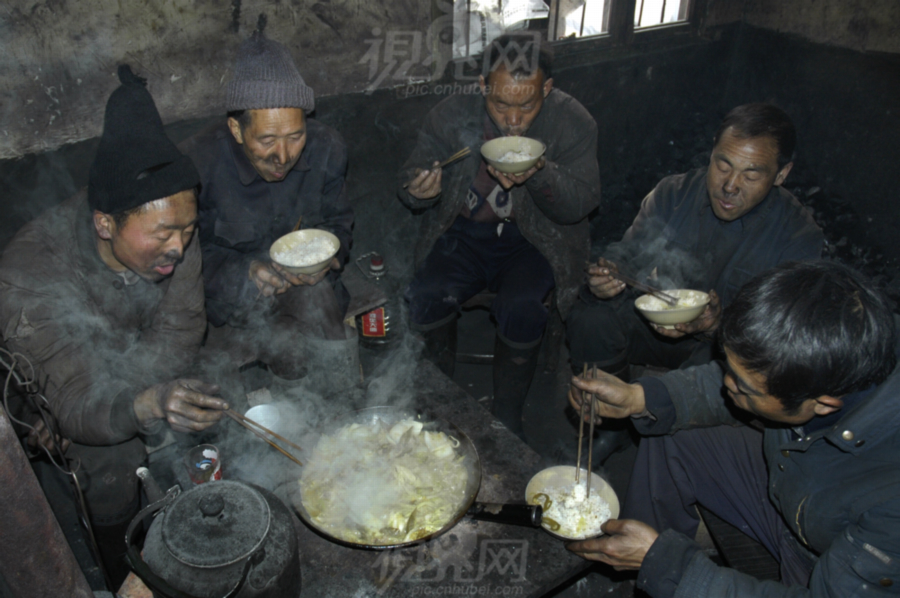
512 155
568 505
689 307
307 251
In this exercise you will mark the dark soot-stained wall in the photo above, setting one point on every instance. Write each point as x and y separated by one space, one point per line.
845 106
657 105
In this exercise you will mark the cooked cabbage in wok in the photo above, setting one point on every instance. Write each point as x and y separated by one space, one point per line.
383 484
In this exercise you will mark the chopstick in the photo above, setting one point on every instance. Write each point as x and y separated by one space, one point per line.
457 156
591 437
249 423
580 428
264 429
658 293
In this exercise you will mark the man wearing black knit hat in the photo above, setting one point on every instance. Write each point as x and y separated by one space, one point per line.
265 169
103 296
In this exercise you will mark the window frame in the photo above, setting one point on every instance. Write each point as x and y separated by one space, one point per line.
622 31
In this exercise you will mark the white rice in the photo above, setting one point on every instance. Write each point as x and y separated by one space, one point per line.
317 249
513 156
577 516
686 298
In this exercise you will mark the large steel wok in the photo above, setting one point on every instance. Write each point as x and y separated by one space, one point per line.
514 513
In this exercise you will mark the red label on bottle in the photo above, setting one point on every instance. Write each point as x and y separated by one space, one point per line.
373 323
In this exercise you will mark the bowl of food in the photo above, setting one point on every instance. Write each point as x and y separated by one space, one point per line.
689 307
512 155
570 512
307 251
386 477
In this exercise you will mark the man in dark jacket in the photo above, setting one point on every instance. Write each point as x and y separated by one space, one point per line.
517 235
265 169
810 350
103 296
708 229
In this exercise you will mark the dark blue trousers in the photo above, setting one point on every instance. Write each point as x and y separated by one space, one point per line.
469 258
723 469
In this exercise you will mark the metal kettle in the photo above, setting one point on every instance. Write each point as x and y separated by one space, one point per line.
223 539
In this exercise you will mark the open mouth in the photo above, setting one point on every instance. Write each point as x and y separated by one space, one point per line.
165 270
726 205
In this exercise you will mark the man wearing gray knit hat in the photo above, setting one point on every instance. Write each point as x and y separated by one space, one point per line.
263 170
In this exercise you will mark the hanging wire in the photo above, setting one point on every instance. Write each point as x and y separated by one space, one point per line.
20 372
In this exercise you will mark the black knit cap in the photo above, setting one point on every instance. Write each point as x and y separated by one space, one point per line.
136 162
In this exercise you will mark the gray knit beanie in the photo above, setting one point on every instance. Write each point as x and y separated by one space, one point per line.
265 76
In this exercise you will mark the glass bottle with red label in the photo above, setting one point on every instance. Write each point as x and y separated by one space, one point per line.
379 327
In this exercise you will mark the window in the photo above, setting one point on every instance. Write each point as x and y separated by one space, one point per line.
478 22
581 18
649 13
584 18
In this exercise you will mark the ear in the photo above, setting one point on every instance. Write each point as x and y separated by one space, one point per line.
548 85
827 404
482 84
782 174
235 127
104 225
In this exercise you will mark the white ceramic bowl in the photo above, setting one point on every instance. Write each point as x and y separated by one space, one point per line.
563 476
658 312
494 150
292 240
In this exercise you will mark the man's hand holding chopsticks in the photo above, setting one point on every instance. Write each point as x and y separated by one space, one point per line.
624 546
612 397
706 324
427 182
187 405
601 280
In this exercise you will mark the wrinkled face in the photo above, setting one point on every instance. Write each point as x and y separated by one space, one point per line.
151 241
273 141
741 173
513 103
749 392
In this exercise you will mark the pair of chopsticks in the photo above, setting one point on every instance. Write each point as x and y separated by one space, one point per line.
457 156
646 288
586 396
258 429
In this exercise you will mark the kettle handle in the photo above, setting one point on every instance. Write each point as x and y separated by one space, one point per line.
154 582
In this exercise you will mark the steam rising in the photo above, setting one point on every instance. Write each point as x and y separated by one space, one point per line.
664 259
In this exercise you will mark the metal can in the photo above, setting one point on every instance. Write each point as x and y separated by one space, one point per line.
203 464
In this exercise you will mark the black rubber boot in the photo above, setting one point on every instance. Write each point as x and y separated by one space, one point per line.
613 435
440 346
513 371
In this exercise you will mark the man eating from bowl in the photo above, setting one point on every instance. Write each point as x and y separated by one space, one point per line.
709 229
802 455
265 168
104 298
516 235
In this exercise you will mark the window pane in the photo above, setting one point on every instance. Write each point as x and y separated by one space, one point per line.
476 23
581 18
649 13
